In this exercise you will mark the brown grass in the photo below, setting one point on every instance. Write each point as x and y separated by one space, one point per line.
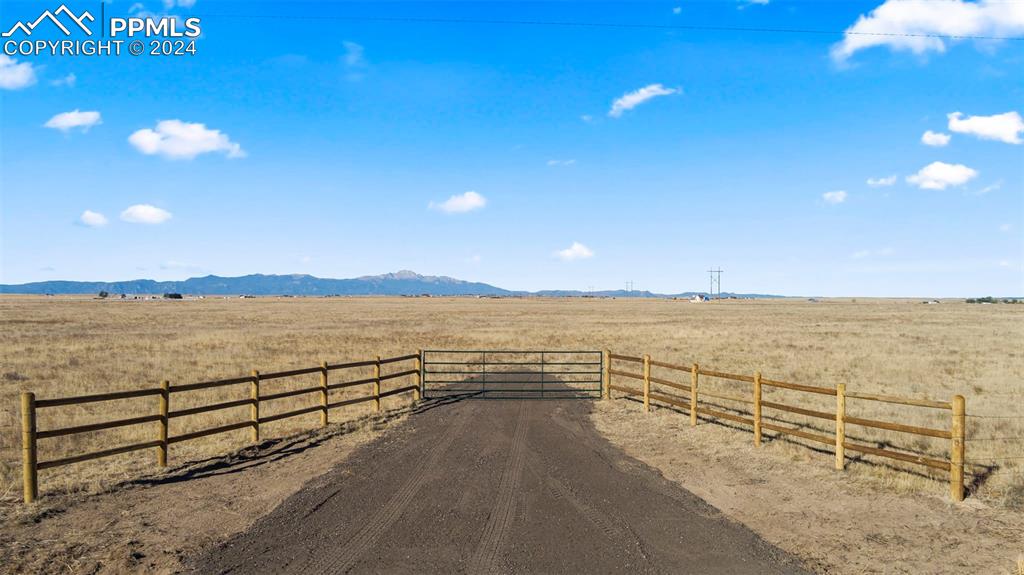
64 346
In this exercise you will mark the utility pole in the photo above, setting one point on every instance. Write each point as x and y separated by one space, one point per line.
715 278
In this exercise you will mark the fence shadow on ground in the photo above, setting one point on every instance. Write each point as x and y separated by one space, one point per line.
977 481
277 449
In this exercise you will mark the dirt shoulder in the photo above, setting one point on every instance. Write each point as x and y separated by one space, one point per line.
150 525
834 522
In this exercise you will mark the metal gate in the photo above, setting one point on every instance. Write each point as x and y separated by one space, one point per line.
511 374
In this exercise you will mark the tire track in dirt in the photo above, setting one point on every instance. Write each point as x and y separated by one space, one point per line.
573 427
485 558
341 559
560 491
612 527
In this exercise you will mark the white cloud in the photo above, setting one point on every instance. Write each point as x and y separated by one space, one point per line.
1003 127
1005 228
460 203
74 119
354 54
940 175
576 251
989 188
68 81
354 60
914 25
475 259
882 182
677 10
168 4
936 139
145 214
881 252
587 118
179 140
836 197
633 99
139 10
15 76
561 162
93 219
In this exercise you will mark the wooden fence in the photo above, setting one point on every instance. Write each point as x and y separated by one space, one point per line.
163 394
755 382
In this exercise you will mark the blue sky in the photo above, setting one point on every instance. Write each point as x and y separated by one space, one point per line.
311 138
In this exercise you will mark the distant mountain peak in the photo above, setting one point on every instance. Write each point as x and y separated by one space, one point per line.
409 275
403 275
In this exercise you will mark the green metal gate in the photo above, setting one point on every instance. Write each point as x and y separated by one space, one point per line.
511 374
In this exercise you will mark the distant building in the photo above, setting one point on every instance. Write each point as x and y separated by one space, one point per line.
699 298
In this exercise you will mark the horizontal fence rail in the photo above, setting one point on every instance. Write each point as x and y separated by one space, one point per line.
508 374
748 410
164 414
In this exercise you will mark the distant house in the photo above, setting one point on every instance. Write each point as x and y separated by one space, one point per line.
699 298
172 296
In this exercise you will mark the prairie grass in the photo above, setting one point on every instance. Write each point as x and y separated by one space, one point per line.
77 345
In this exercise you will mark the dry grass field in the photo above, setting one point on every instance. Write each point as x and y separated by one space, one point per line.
68 346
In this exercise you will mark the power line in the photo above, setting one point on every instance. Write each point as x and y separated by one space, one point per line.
716 280
618 25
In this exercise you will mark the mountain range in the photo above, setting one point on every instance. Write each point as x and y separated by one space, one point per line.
403 282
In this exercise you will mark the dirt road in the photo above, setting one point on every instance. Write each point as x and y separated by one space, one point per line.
494 486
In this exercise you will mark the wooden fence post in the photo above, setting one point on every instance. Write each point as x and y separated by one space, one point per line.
647 382
840 426
323 394
376 385
956 455
28 446
606 376
417 393
165 405
694 374
757 409
254 408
